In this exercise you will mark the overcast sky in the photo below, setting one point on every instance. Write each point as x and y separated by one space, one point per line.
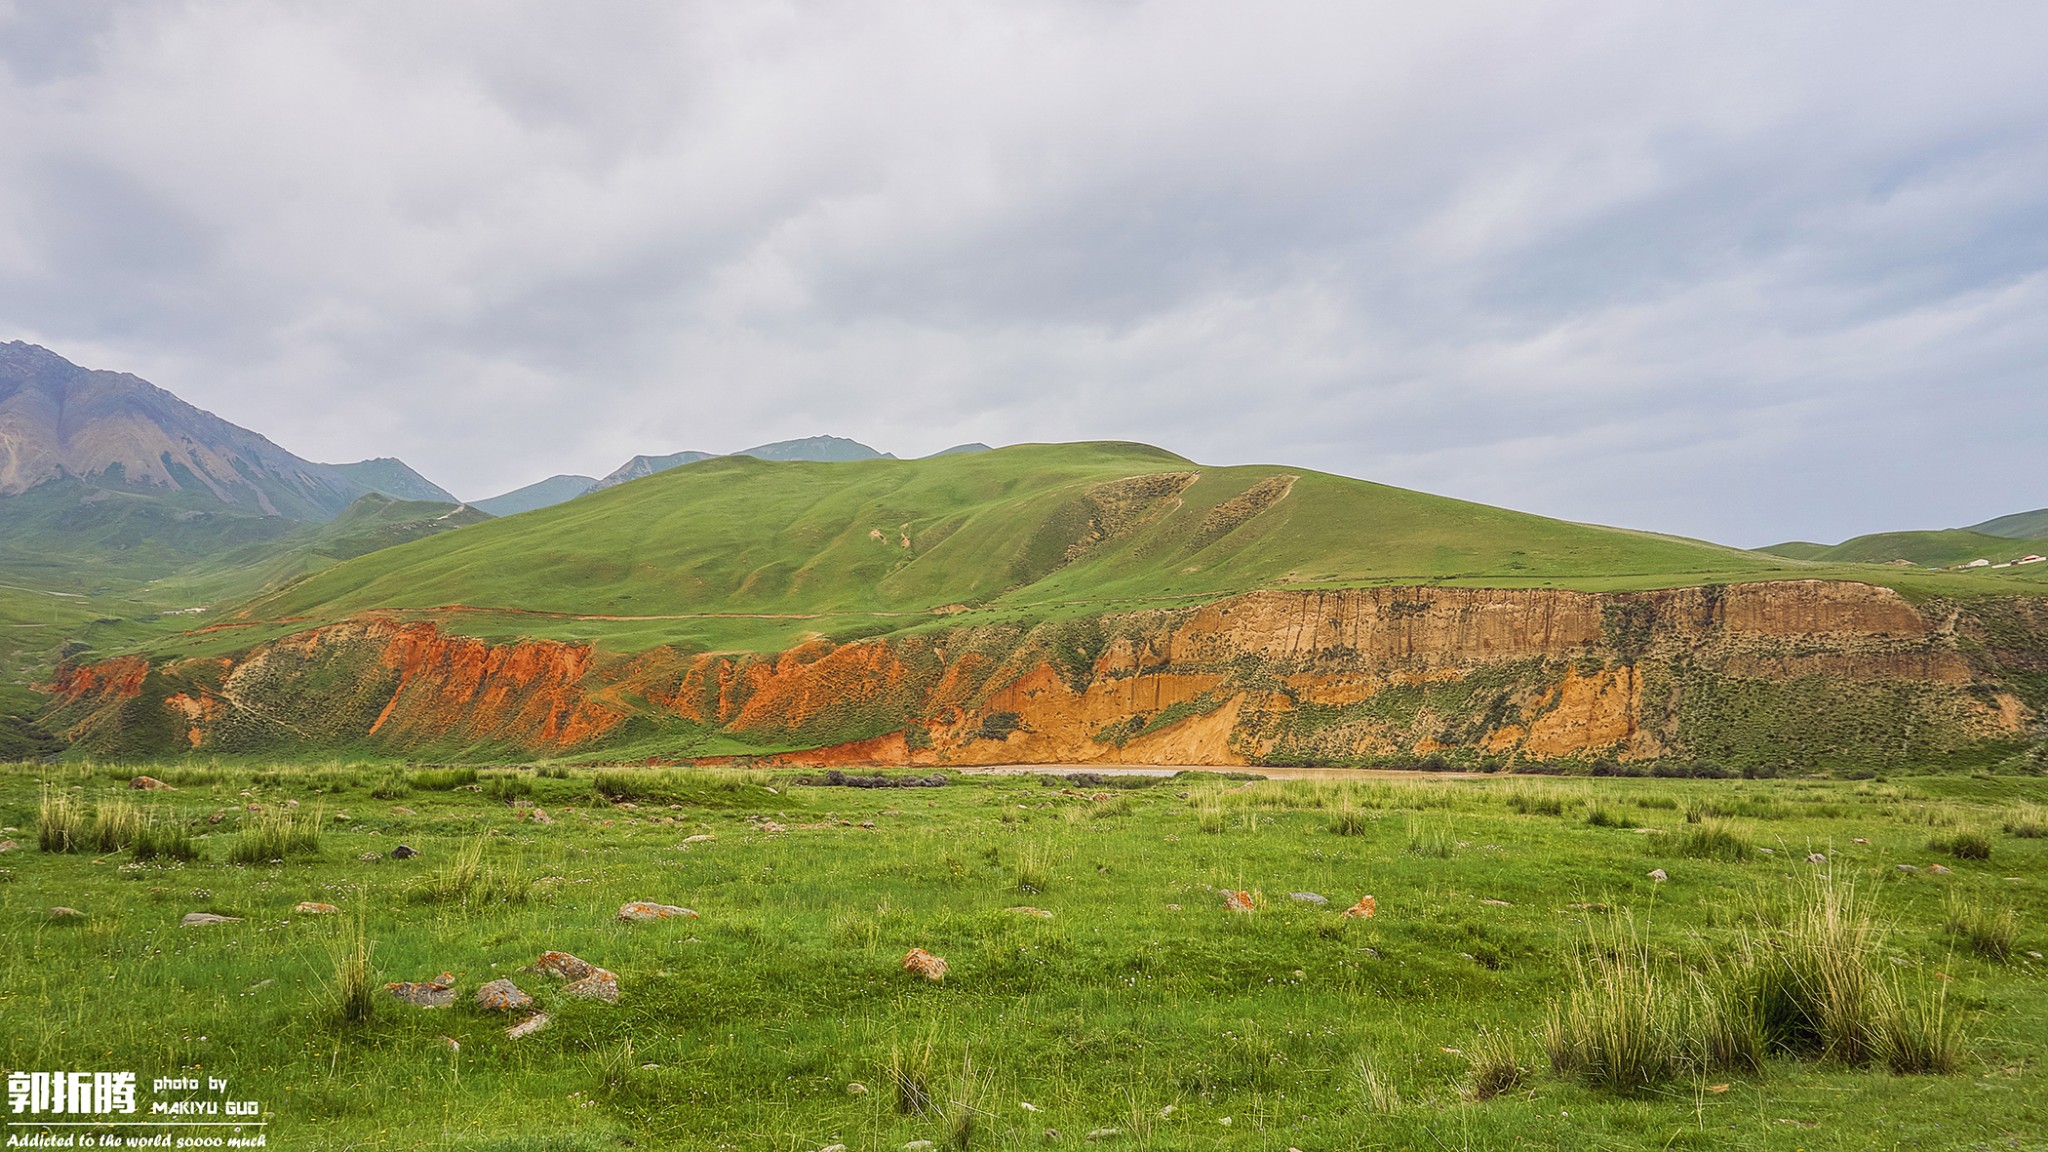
1748 272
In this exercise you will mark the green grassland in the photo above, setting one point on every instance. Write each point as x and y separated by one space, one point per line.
736 553
1143 1012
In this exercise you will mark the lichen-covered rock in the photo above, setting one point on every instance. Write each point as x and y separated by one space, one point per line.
1315 898
563 966
423 993
648 910
1240 901
601 984
1028 910
1658 875
925 964
501 995
60 912
202 919
527 1027
147 784
315 908
1365 909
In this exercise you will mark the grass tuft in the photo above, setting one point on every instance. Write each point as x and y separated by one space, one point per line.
355 982
277 834
1989 934
2027 821
60 823
1710 838
1497 1065
1963 844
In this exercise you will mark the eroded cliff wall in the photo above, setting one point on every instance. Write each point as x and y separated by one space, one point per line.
1795 673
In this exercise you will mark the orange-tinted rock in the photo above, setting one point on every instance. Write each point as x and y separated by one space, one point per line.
644 910
527 1027
1240 901
600 984
563 966
501 995
423 993
924 964
315 908
1365 909
147 783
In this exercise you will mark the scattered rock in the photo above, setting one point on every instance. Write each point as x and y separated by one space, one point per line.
262 984
501 995
404 852
1104 1133
527 1027
402 812
1938 869
540 816
917 1146
2034 954
856 1088
369 857
1862 840
1497 903
60 912
700 838
1658 875
1239 901
424 993
315 908
1768 851
8 845
147 783
1816 857
644 910
1365 909
563 966
833 1148
1028 910
1316 898
1173 907
201 919
924 964
1909 867
601 984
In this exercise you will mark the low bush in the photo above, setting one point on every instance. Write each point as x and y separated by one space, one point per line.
1989 934
1963 844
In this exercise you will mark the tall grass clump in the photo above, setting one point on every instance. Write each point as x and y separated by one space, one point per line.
1375 1091
466 879
1431 840
1727 1031
1209 814
60 823
1034 869
1919 1034
355 983
910 1074
1536 801
1963 844
1349 821
1822 993
114 825
2027 821
1497 1065
277 835
1599 815
1989 934
1613 1027
443 779
1709 839
159 836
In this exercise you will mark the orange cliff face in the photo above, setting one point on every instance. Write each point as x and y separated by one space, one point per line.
1341 676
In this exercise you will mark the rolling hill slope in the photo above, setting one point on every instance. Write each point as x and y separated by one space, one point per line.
1937 549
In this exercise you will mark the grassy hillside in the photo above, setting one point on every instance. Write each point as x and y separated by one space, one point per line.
1939 549
1033 526
2019 526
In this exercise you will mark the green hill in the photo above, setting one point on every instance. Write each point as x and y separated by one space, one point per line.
2019 526
1030 528
1940 549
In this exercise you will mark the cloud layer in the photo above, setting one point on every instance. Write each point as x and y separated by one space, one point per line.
1746 272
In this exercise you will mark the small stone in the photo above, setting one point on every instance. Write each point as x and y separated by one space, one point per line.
369 857
1365 909
1908 867
402 812
315 908
1239 901
527 1027
501 995
1816 858
404 852
201 919
917 1146
1497 903
1173 907
2034 954
423 993
147 783
563 966
1104 1133
1316 898
1768 851
8 845
1862 840
1028 910
833 1148
599 985
60 912
856 1088
1938 869
1658 875
924 964
645 910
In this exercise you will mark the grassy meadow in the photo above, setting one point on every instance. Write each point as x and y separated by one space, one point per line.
1525 982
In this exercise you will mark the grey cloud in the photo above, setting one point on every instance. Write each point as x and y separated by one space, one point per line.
1745 272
